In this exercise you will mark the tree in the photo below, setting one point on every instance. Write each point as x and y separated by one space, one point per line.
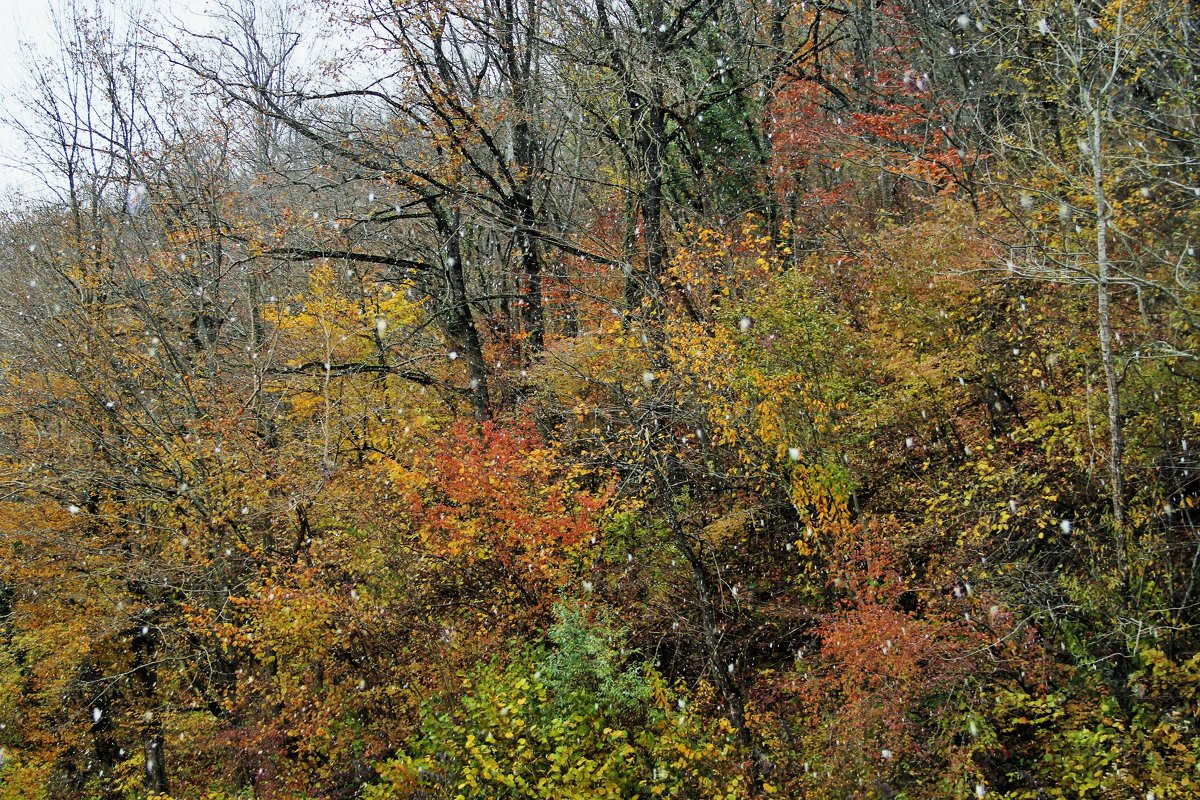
1083 64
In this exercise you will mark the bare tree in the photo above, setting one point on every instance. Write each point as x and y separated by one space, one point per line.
1097 139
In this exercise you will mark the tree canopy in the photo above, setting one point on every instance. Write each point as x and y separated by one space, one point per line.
622 398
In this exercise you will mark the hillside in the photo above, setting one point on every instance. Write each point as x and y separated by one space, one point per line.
657 398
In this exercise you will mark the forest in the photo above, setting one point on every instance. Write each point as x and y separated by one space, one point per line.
582 399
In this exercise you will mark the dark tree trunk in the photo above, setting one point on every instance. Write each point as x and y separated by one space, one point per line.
459 319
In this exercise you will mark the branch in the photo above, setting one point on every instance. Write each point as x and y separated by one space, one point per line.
304 254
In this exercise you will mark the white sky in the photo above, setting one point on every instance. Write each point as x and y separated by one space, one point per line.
27 25
20 21
27 28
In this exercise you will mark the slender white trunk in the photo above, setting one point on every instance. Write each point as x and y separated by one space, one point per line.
1104 319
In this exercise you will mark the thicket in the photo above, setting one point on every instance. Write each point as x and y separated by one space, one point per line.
687 399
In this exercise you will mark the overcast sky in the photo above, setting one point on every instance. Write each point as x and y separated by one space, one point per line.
20 21
27 27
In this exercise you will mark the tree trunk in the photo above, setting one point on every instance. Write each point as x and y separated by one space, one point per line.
460 322
1112 381
145 652
526 158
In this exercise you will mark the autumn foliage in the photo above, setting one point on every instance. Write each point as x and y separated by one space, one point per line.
693 400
